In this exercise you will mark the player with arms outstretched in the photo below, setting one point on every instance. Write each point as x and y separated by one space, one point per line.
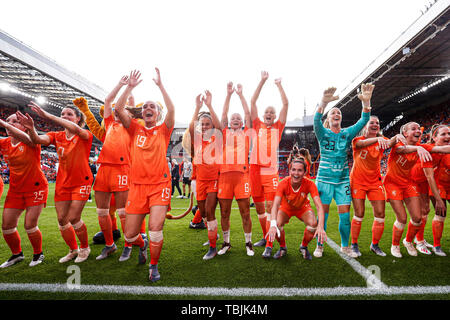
28 190
333 179
263 159
74 177
150 182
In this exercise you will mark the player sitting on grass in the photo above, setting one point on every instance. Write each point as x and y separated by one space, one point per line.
291 199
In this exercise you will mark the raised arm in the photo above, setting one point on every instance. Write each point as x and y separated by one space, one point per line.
327 97
320 232
247 117
17 133
198 106
284 110
273 230
112 95
96 128
226 106
69 125
384 143
254 109
365 95
207 100
28 122
170 116
133 81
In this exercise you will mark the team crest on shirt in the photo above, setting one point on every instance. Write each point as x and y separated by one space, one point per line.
155 133
355 191
303 194
394 193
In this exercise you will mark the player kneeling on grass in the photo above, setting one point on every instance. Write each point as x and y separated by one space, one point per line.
291 200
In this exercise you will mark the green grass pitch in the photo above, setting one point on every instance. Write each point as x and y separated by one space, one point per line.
181 262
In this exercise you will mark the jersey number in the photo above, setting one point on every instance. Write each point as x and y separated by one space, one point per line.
39 195
140 140
166 194
402 161
85 189
330 145
123 180
363 154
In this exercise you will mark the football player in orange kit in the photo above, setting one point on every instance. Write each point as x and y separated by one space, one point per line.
233 178
112 177
150 181
28 190
424 177
263 158
400 188
291 199
74 177
365 180
207 150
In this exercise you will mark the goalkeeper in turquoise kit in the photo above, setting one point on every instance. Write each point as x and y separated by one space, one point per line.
333 178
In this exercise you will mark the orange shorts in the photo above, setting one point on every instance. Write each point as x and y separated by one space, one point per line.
112 178
23 200
204 187
444 191
422 187
398 192
80 193
296 213
375 192
141 197
263 186
233 184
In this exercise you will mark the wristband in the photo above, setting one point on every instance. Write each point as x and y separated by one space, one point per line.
273 223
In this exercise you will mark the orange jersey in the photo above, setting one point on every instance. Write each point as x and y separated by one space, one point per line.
236 145
24 163
116 147
205 160
265 141
399 166
73 157
417 173
194 172
148 153
296 199
442 173
366 168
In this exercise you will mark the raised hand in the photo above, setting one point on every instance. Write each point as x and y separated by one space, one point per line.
366 93
230 88
199 101
134 80
158 78
278 81
264 75
25 120
36 108
207 98
123 81
328 95
239 89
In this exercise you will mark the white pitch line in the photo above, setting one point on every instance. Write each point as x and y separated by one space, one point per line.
235 292
359 268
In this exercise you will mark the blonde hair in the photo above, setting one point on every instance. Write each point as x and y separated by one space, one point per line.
405 127
326 123
434 131
364 130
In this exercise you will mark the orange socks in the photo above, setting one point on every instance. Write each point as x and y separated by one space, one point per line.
397 232
212 233
413 228
308 235
81 232
156 243
377 230
12 238
356 228
420 233
68 234
437 226
35 237
197 217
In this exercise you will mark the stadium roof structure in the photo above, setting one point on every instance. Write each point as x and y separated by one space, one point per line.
26 74
412 73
